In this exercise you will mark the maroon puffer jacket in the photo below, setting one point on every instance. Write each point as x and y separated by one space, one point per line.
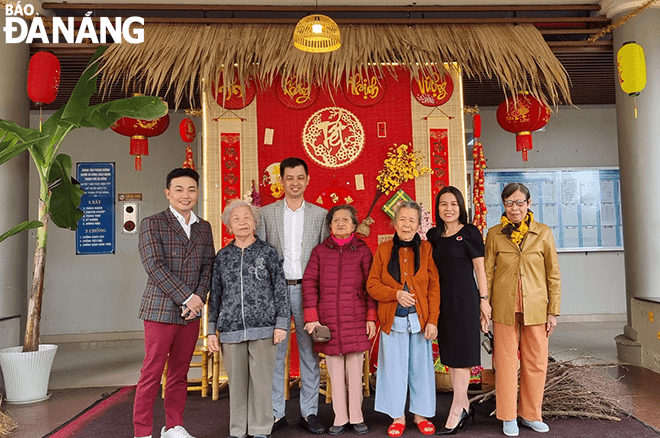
334 293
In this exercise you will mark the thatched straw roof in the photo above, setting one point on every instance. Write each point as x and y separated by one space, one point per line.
176 56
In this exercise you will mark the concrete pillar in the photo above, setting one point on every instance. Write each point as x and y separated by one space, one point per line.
14 184
639 163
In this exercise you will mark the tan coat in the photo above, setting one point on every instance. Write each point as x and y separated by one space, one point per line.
425 284
538 267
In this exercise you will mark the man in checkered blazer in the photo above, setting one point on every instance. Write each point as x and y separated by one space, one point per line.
176 249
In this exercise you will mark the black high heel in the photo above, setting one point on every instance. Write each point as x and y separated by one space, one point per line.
470 413
460 425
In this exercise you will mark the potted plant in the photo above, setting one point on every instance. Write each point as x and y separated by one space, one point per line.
26 369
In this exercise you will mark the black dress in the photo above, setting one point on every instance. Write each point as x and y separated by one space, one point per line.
458 325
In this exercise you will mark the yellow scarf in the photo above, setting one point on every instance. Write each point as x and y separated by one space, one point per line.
519 231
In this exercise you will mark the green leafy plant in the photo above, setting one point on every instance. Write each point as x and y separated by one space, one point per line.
59 193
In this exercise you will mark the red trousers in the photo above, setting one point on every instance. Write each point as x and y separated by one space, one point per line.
161 339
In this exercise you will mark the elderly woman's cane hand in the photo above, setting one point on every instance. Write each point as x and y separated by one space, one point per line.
212 343
406 299
430 332
279 336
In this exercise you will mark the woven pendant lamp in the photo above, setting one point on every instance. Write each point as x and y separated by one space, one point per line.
317 34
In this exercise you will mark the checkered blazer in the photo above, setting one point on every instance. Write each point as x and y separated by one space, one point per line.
176 266
271 228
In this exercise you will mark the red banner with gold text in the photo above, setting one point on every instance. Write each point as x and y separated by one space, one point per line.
230 153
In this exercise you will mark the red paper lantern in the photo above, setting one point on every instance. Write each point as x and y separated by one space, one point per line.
43 78
522 115
139 130
476 126
187 131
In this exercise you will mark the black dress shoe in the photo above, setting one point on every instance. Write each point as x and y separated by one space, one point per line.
360 428
279 424
337 430
311 424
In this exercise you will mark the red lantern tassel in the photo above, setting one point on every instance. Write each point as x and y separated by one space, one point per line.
524 143
139 147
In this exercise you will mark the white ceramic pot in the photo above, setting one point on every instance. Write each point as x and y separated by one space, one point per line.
26 375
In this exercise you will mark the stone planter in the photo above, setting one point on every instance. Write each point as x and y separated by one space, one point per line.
26 375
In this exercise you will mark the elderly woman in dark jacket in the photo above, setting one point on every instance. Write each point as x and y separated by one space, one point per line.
249 308
334 294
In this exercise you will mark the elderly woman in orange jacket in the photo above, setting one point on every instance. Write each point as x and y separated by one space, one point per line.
522 273
404 280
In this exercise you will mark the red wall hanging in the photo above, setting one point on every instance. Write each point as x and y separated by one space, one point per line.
188 134
333 137
433 88
296 94
365 88
237 95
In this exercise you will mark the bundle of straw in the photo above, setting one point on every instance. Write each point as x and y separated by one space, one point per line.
7 423
578 388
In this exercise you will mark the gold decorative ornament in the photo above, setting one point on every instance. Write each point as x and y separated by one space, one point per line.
650 316
621 21
317 34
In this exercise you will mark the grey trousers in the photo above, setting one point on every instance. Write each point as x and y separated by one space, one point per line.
309 364
249 367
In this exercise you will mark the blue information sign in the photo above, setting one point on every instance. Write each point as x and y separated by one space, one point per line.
96 229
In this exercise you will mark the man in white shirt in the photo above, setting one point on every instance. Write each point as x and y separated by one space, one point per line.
295 227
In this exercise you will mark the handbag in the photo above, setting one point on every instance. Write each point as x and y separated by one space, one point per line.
321 334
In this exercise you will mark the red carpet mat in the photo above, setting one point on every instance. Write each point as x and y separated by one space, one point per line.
112 417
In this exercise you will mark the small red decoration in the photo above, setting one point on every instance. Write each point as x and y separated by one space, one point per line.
296 94
365 87
139 130
433 88
43 78
333 195
522 115
237 95
478 187
187 131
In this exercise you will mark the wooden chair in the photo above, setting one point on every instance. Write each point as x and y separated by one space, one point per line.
202 352
366 390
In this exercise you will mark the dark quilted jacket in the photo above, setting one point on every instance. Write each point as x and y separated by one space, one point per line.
334 293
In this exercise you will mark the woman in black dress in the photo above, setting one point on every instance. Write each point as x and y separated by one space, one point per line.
458 251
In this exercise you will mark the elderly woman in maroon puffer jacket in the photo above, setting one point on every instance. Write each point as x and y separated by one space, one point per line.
334 294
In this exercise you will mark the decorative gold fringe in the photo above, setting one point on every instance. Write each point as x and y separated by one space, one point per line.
621 21
176 56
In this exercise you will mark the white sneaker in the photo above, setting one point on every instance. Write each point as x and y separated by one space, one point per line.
175 432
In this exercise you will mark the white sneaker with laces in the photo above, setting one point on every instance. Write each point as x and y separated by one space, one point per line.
175 432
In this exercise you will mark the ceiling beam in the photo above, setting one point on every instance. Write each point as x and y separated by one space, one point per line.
293 8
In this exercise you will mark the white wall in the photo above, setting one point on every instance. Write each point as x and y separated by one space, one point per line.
593 282
101 293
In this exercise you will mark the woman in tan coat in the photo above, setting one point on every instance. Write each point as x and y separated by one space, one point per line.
522 273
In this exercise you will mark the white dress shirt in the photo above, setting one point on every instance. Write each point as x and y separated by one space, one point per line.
186 228
293 234
182 220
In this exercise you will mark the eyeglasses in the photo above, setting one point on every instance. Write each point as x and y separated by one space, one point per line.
518 202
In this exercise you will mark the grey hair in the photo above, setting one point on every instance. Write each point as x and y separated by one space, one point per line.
336 208
409 204
234 204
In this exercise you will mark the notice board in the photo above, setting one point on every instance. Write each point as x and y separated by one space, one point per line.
582 206
96 229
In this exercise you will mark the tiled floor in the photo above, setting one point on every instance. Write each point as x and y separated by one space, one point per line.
80 376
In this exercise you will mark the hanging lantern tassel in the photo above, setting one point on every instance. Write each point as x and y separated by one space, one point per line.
524 143
139 147
189 163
